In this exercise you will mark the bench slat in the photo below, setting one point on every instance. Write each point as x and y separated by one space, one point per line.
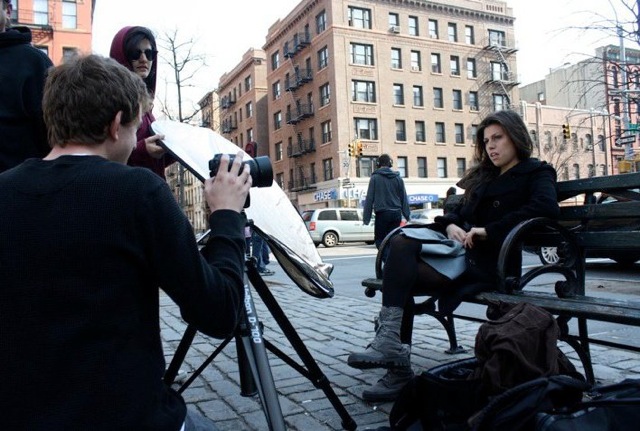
571 188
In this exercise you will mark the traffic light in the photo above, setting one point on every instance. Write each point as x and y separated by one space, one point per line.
359 149
352 149
566 132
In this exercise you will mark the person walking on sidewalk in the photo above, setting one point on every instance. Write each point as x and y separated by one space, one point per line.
86 241
504 187
387 197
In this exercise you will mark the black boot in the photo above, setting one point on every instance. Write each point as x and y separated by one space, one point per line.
386 350
389 386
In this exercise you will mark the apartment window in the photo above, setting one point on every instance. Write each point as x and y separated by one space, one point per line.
401 130
601 142
440 136
323 58
499 71
325 94
452 31
422 167
40 12
361 54
461 167
277 91
436 67
497 38
576 171
474 133
441 165
247 83
433 29
396 58
69 14
359 17
275 60
280 179
469 36
68 53
438 102
500 102
249 109
402 167
366 128
413 26
471 68
459 131
418 99
44 49
416 61
249 135
277 120
325 128
394 20
454 64
327 169
363 91
278 148
312 168
457 99
321 22
421 133
473 101
398 94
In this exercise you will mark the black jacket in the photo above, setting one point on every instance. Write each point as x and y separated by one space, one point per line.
385 192
525 191
23 69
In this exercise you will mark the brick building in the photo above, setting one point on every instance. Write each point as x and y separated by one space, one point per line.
60 28
407 78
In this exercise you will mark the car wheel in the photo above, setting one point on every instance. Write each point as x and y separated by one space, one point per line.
330 239
548 255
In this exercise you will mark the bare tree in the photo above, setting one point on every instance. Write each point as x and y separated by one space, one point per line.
185 62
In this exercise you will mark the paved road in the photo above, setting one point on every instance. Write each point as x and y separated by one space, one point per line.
330 329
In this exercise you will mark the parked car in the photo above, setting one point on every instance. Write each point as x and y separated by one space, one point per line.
330 226
425 216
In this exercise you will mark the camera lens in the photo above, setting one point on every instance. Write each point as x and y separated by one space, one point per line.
260 169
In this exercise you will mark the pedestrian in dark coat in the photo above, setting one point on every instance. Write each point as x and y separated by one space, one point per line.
23 69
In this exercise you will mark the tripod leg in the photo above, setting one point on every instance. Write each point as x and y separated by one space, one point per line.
172 371
259 363
316 376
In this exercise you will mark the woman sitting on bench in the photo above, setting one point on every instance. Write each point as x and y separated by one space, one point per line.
504 187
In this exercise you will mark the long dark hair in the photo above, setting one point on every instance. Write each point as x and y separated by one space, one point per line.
131 41
482 168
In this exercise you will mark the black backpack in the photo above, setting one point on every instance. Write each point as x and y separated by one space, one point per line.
445 398
613 407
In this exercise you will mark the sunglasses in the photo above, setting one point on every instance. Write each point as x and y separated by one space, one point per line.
150 54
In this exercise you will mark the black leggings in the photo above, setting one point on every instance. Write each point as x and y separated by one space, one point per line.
405 275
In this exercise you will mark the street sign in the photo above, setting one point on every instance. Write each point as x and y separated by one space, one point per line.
633 127
624 140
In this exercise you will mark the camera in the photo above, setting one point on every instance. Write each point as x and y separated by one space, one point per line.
260 170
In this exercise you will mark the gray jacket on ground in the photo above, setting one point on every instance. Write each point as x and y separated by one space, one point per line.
386 192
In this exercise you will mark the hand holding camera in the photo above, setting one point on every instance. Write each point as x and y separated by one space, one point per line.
260 170
229 187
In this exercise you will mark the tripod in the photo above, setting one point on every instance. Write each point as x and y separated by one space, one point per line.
253 363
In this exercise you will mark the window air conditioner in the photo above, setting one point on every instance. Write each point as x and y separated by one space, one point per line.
394 29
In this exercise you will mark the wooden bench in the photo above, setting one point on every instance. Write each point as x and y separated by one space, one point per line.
587 225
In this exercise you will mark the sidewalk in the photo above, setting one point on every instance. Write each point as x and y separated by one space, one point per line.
331 329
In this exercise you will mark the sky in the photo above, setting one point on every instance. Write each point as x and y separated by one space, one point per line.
548 32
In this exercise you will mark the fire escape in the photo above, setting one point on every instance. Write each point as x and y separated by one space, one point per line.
230 122
497 79
301 177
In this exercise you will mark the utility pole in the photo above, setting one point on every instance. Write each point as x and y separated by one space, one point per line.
628 146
